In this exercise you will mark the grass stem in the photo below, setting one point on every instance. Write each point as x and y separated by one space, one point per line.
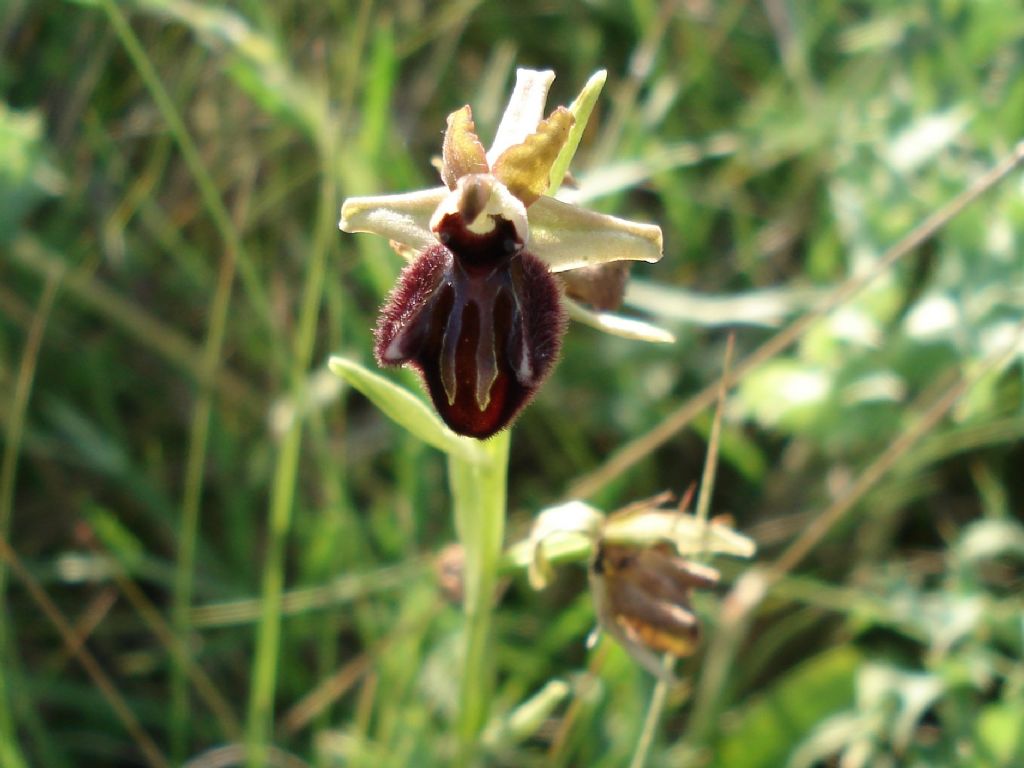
268 634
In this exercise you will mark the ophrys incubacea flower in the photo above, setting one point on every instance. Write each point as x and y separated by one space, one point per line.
478 311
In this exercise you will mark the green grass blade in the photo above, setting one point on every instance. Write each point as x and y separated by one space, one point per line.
211 197
268 636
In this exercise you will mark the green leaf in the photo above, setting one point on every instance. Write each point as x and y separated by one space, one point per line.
1000 733
773 725
525 720
116 537
406 410
25 175
785 394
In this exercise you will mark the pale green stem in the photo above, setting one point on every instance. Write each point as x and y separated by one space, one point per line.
479 496
707 485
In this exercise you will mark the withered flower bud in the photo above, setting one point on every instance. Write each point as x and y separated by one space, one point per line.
601 286
450 568
642 598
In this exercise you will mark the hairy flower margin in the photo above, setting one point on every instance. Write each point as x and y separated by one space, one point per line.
477 311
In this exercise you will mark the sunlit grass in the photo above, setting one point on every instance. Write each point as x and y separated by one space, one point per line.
188 570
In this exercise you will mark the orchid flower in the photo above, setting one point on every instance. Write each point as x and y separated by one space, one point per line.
641 569
478 311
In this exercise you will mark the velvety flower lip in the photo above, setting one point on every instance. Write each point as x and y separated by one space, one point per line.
477 311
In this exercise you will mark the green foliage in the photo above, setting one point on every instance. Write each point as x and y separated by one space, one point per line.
779 719
167 421
25 174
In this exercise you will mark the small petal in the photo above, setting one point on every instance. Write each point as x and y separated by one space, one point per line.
524 111
566 237
688 534
617 325
524 168
402 218
462 151
574 521
601 287
580 108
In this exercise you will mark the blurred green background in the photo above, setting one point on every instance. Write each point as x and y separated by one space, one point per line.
172 282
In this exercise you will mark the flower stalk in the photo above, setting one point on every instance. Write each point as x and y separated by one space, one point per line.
480 315
479 499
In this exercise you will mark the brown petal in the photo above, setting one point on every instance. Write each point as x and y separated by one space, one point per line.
602 286
525 168
643 596
462 151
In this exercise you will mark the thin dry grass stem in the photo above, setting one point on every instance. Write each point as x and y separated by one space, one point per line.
95 612
366 703
19 404
707 485
235 754
707 481
164 633
15 308
338 591
150 751
332 688
626 96
284 490
193 159
638 449
816 531
191 504
13 433
192 491
687 497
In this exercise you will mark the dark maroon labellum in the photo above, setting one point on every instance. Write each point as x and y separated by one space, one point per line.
482 321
